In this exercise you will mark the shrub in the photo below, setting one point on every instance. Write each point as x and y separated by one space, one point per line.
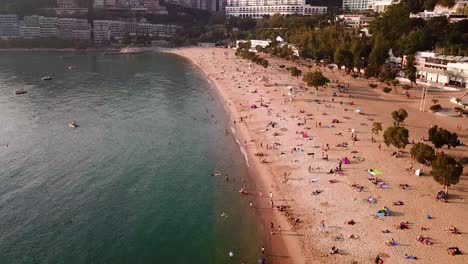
373 85
406 87
387 89
435 107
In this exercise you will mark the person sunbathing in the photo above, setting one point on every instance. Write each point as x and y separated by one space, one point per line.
404 186
424 240
398 203
453 230
334 250
317 192
390 242
453 251
402 226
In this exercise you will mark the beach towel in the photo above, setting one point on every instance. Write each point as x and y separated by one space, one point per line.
333 181
374 172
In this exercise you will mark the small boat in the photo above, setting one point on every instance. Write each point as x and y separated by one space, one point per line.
71 67
73 125
20 92
46 78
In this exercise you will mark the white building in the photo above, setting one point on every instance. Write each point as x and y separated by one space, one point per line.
354 21
47 22
48 32
254 43
30 32
358 5
381 6
81 34
101 31
261 8
430 14
442 70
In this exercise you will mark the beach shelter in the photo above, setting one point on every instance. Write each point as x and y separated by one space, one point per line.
264 79
346 160
418 172
292 91
383 212
358 111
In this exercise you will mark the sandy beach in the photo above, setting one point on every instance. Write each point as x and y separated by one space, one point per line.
286 142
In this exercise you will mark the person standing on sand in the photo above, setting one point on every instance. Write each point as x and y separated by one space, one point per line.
263 250
279 229
272 228
380 146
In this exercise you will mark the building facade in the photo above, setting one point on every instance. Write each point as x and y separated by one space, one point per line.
357 5
442 70
67 4
9 26
261 8
354 21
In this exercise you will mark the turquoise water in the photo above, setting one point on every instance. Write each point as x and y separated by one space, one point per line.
131 184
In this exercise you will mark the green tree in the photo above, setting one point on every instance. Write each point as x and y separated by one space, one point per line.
446 171
315 79
295 72
422 152
395 82
343 57
386 74
441 137
409 69
399 116
376 127
396 136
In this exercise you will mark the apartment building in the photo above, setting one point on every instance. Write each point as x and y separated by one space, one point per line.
9 26
261 8
358 5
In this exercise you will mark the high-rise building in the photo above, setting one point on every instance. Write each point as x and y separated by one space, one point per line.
261 8
355 5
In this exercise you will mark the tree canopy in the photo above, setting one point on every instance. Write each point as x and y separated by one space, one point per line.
396 136
315 79
399 116
422 152
446 171
441 137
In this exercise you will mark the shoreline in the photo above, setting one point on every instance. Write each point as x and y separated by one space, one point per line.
282 249
292 171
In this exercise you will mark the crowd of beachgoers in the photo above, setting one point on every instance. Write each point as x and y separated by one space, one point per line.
327 189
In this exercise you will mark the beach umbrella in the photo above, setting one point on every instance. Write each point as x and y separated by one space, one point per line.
357 110
292 91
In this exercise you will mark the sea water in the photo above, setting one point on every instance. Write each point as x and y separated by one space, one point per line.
132 183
